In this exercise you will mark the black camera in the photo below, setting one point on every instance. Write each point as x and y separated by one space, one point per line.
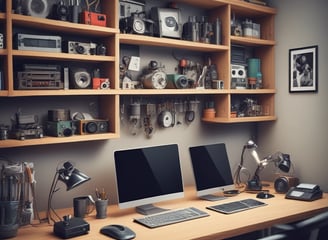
137 23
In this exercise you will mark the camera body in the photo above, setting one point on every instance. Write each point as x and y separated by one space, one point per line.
93 126
74 47
60 128
100 83
137 23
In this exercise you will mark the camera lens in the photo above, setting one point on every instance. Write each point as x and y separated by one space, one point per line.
79 49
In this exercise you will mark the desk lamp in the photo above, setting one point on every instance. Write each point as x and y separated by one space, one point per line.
72 178
281 160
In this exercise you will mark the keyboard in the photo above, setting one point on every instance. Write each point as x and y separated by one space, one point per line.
237 206
170 217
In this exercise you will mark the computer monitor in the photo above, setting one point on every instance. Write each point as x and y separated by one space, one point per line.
148 175
211 170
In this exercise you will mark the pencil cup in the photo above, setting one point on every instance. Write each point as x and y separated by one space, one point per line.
101 208
9 212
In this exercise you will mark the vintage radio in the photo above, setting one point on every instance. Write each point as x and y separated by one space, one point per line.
39 80
33 42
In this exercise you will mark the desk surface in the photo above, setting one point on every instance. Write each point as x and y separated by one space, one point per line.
216 226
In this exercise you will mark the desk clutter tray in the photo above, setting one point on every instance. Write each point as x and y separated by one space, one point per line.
237 206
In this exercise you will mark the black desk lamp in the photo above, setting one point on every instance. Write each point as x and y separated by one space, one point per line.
72 178
281 160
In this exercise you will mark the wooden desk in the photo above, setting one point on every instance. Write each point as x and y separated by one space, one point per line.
216 226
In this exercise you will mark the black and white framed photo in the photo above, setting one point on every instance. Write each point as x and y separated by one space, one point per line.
303 69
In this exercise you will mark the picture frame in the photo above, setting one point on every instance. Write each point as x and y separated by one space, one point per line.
303 69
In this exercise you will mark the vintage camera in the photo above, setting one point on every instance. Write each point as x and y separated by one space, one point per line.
154 77
84 48
100 83
177 81
238 77
26 127
93 126
137 23
60 128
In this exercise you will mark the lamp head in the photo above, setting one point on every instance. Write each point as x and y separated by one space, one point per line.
284 162
250 144
71 176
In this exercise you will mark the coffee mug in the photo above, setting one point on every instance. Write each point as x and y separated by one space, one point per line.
83 205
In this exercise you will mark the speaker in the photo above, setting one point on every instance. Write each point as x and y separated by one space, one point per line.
283 183
36 8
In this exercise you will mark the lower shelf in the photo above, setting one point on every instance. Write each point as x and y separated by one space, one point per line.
10 143
240 119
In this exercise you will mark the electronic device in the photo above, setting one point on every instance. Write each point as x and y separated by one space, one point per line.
177 81
283 183
171 217
304 192
71 227
167 22
154 76
60 128
156 177
34 42
35 8
137 23
93 126
89 48
264 195
238 77
100 83
211 169
93 18
131 6
237 206
118 232
165 119
80 78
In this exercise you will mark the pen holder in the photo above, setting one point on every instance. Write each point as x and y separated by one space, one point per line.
101 208
9 212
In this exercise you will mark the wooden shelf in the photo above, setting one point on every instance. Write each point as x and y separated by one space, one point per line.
240 119
135 39
56 140
62 26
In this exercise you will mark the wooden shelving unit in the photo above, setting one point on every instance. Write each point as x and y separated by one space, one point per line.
112 38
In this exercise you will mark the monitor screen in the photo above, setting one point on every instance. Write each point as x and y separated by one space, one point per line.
211 169
148 175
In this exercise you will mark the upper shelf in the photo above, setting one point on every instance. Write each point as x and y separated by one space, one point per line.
62 26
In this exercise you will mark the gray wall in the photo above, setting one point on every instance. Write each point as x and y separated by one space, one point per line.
96 158
301 128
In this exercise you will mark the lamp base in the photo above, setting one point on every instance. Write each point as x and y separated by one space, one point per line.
254 185
71 228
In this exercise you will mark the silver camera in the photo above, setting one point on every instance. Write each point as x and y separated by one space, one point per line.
81 48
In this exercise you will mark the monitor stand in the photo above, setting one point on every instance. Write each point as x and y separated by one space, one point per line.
211 197
148 209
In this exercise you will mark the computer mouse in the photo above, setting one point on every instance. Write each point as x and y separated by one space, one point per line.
118 232
264 195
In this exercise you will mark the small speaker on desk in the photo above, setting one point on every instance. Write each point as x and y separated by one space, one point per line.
283 183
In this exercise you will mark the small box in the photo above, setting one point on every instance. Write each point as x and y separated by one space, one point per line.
71 228
92 18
